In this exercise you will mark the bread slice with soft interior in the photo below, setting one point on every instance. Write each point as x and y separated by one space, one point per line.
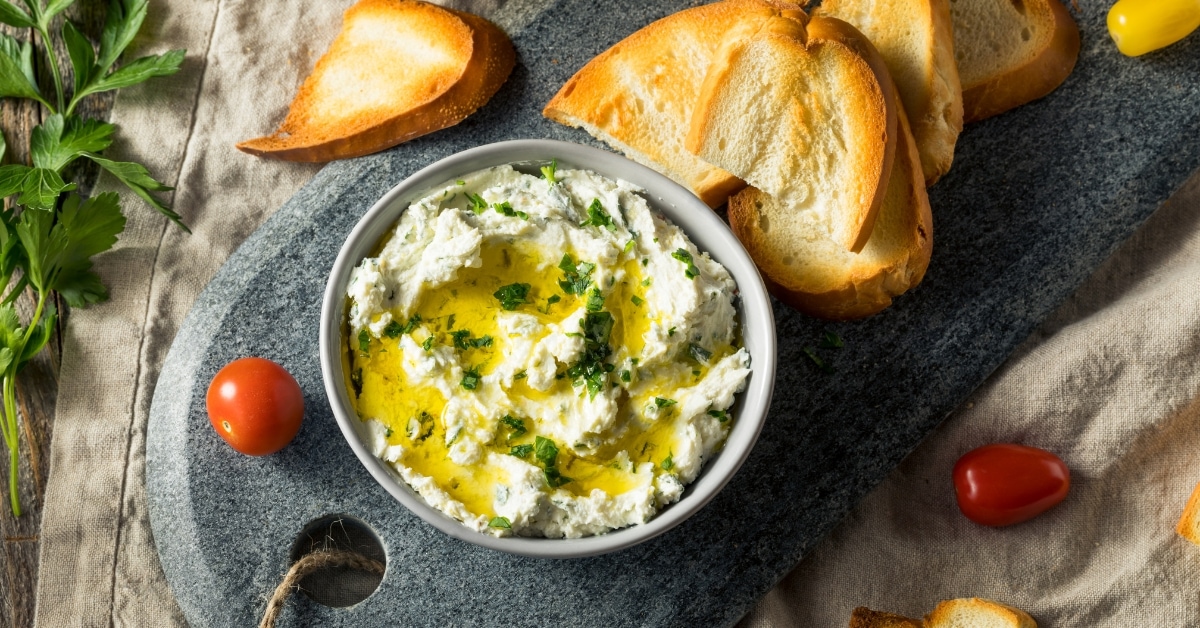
808 116
916 39
398 69
1011 52
1189 523
863 617
809 271
638 96
977 612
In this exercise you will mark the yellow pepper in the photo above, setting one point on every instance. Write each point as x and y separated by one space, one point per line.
1140 26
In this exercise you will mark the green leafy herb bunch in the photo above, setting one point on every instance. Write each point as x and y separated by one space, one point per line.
48 233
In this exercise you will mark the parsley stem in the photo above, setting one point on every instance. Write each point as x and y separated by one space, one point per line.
58 88
10 409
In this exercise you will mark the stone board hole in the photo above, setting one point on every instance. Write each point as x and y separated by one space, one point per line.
338 587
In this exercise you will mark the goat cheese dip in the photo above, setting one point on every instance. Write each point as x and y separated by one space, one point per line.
542 356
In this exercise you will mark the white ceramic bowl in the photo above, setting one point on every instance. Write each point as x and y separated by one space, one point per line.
705 229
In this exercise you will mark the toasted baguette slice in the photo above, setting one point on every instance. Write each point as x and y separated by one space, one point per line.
863 617
1189 522
1010 52
638 95
916 39
399 69
977 613
807 116
810 272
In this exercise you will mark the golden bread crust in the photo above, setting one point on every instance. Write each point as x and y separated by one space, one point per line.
946 610
1041 74
1189 522
444 98
863 617
638 96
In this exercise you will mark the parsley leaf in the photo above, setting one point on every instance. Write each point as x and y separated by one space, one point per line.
59 255
554 298
719 415
684 256
521 451
638 301
478 205
517 426
595 301
500 522
364 341
591 370
461 339
57 142
513 295
555 479
507 209
16 70
548 172
545 450
598 217
471 377
577 277
668 463
663 402
626 376
394 329
428 344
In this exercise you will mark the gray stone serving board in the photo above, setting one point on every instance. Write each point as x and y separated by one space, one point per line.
1037 198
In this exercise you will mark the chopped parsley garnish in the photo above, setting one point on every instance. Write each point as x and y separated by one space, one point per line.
597 217
670 332
629 245
719 415
461 182
500 522
577 277
520 375
428 344
626 376
554 479
646 282
554 298
595 301
485 341
450 322
591 370
521 451
513 295
393 329
424 427
506 208
478 205
816 359
545 450
682 255
364 341
356 381
831 341
668 463
517 426
664 403
387 433
700 354
548 171
638 301
462 339
471 377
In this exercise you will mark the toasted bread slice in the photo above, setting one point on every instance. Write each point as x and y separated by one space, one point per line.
977 612
638 96
399 69
863 617
807 270
1010 52
807 116
1189 522
916 39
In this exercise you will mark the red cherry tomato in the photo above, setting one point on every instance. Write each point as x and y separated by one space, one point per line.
255 405
1003 484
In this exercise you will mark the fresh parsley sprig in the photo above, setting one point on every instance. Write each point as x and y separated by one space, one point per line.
50 235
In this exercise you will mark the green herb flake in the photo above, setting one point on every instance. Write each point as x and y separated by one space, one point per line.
816 359
364 341
387 433
506 208
831 340
393 329
597 217
664 403
478 205
520 375
719 415
595 301
428 344
670 332
646 282
461 182
450 322
576 277
629 246
554 298
479 343
545 450
521 451
554 479
700 354
591 371
668 463
471 377
461 338
684 256
638 301
626 376
549 171
513 295
501 523
515 425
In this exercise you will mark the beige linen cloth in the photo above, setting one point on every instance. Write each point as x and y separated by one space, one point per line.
1110 382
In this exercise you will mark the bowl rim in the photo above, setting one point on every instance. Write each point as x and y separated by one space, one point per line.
665 196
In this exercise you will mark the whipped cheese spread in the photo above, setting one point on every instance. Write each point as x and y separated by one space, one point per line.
543 356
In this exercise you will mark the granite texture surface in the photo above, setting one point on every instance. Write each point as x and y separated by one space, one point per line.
1036 199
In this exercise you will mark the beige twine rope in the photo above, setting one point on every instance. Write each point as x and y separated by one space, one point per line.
311 563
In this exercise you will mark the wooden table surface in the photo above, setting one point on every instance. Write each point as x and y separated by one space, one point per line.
37 385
